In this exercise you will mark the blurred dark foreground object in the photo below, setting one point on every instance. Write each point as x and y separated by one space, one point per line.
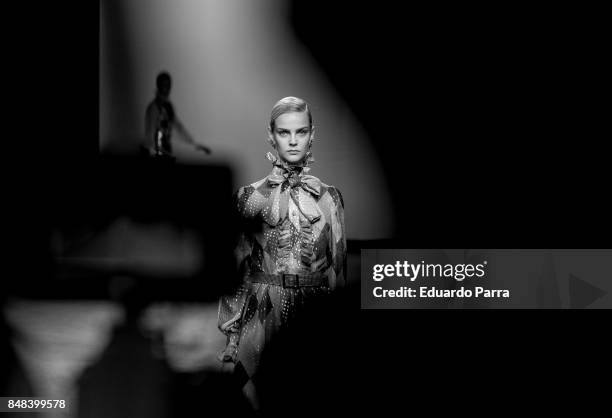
166 227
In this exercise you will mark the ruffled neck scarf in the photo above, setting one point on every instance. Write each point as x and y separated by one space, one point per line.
291 178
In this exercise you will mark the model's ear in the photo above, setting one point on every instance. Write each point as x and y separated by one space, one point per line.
271 138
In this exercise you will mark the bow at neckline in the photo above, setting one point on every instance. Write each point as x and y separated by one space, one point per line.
287 180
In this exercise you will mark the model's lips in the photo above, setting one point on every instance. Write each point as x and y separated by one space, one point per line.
293 152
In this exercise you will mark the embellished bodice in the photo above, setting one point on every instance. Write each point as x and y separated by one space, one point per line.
292 223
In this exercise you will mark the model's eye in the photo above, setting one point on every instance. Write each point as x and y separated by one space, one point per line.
282 133
303 132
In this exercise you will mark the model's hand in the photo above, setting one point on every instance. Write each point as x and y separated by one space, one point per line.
230 352
227 367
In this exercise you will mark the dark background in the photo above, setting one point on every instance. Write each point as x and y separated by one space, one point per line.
509 105
496 110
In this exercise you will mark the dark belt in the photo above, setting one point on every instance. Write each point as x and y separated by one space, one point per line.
290 280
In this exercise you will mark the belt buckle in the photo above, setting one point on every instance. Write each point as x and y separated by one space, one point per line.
296 283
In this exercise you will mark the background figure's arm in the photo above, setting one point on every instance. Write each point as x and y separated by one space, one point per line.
186 136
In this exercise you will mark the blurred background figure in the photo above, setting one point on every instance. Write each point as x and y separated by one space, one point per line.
161 120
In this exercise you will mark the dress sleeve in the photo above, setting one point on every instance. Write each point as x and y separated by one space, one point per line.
338 241
232 305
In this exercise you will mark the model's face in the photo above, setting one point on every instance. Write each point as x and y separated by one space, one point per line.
291 136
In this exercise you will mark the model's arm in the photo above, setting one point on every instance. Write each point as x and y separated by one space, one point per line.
338 239
232 305
230 314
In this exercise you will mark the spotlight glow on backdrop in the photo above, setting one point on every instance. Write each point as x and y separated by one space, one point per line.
230 61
